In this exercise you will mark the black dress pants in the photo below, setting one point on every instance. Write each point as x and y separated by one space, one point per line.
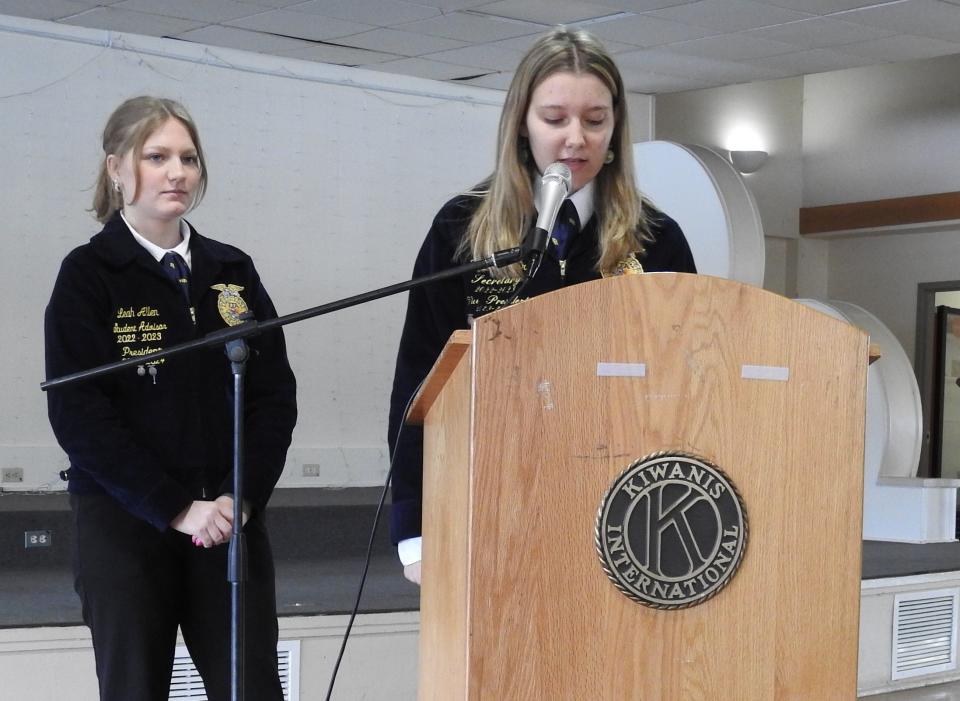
137 586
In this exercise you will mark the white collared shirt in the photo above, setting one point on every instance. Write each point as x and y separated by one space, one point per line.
183 248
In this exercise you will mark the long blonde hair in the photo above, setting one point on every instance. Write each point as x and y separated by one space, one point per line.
506 210
127 129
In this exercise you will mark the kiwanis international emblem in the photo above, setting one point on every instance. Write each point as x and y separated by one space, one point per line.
671 531
229 303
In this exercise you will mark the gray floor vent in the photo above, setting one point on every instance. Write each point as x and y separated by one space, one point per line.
924 632
186 683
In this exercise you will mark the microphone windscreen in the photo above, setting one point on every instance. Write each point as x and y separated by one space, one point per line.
561 171
554 186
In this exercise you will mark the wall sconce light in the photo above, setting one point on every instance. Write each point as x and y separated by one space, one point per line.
748 161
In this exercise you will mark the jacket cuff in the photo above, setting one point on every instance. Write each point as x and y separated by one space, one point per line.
404 521
163 504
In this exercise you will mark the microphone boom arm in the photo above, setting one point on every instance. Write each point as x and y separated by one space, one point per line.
252 327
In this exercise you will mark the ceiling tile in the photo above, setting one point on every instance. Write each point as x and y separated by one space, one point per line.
243 39
819 32
811 61
645 5
44 9
214 11
548 12
902 47
519 44
760 39
451 5
486 57
472 28
929 18
380 13
425 68
261 4
731 47
646 31
656 83
129 21
522 44
822 7
339 55
728 15
497 81
299 25
399 42
616 47
717 72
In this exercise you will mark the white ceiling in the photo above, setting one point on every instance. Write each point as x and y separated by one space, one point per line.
660 45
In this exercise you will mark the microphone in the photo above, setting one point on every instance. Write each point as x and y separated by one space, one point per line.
554 186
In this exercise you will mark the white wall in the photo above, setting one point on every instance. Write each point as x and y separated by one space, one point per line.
642 112
328 176
865 133
380 662
881 273
881 131
771 111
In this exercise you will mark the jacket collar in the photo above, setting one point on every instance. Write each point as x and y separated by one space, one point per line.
116 246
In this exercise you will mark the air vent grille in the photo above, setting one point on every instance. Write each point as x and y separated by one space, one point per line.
185 683
924 633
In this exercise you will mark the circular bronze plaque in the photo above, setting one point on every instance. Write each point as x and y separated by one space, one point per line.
671 530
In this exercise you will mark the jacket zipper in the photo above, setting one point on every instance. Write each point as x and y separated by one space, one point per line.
563 270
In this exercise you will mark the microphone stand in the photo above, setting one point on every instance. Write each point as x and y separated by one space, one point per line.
234 338
238 352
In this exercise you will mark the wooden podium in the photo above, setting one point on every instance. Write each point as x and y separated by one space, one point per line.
529 419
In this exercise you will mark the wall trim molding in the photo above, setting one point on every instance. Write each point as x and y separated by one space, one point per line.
894 214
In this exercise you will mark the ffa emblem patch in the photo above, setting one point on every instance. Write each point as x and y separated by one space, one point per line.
628 266
671 531
229 303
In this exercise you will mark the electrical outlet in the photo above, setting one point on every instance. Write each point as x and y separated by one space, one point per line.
311 469
37 539
11 474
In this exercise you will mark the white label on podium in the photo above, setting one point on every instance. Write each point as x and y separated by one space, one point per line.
621 369
765 372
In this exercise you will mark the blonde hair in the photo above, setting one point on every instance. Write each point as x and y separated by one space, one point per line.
127 129
506 210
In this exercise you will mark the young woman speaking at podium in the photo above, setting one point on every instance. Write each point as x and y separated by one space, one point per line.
566 104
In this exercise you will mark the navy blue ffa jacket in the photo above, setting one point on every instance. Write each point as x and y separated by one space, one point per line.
436 310
158 440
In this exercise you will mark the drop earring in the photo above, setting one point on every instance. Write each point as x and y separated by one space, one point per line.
608 158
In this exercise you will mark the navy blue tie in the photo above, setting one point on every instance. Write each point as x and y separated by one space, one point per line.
565 228
176 269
